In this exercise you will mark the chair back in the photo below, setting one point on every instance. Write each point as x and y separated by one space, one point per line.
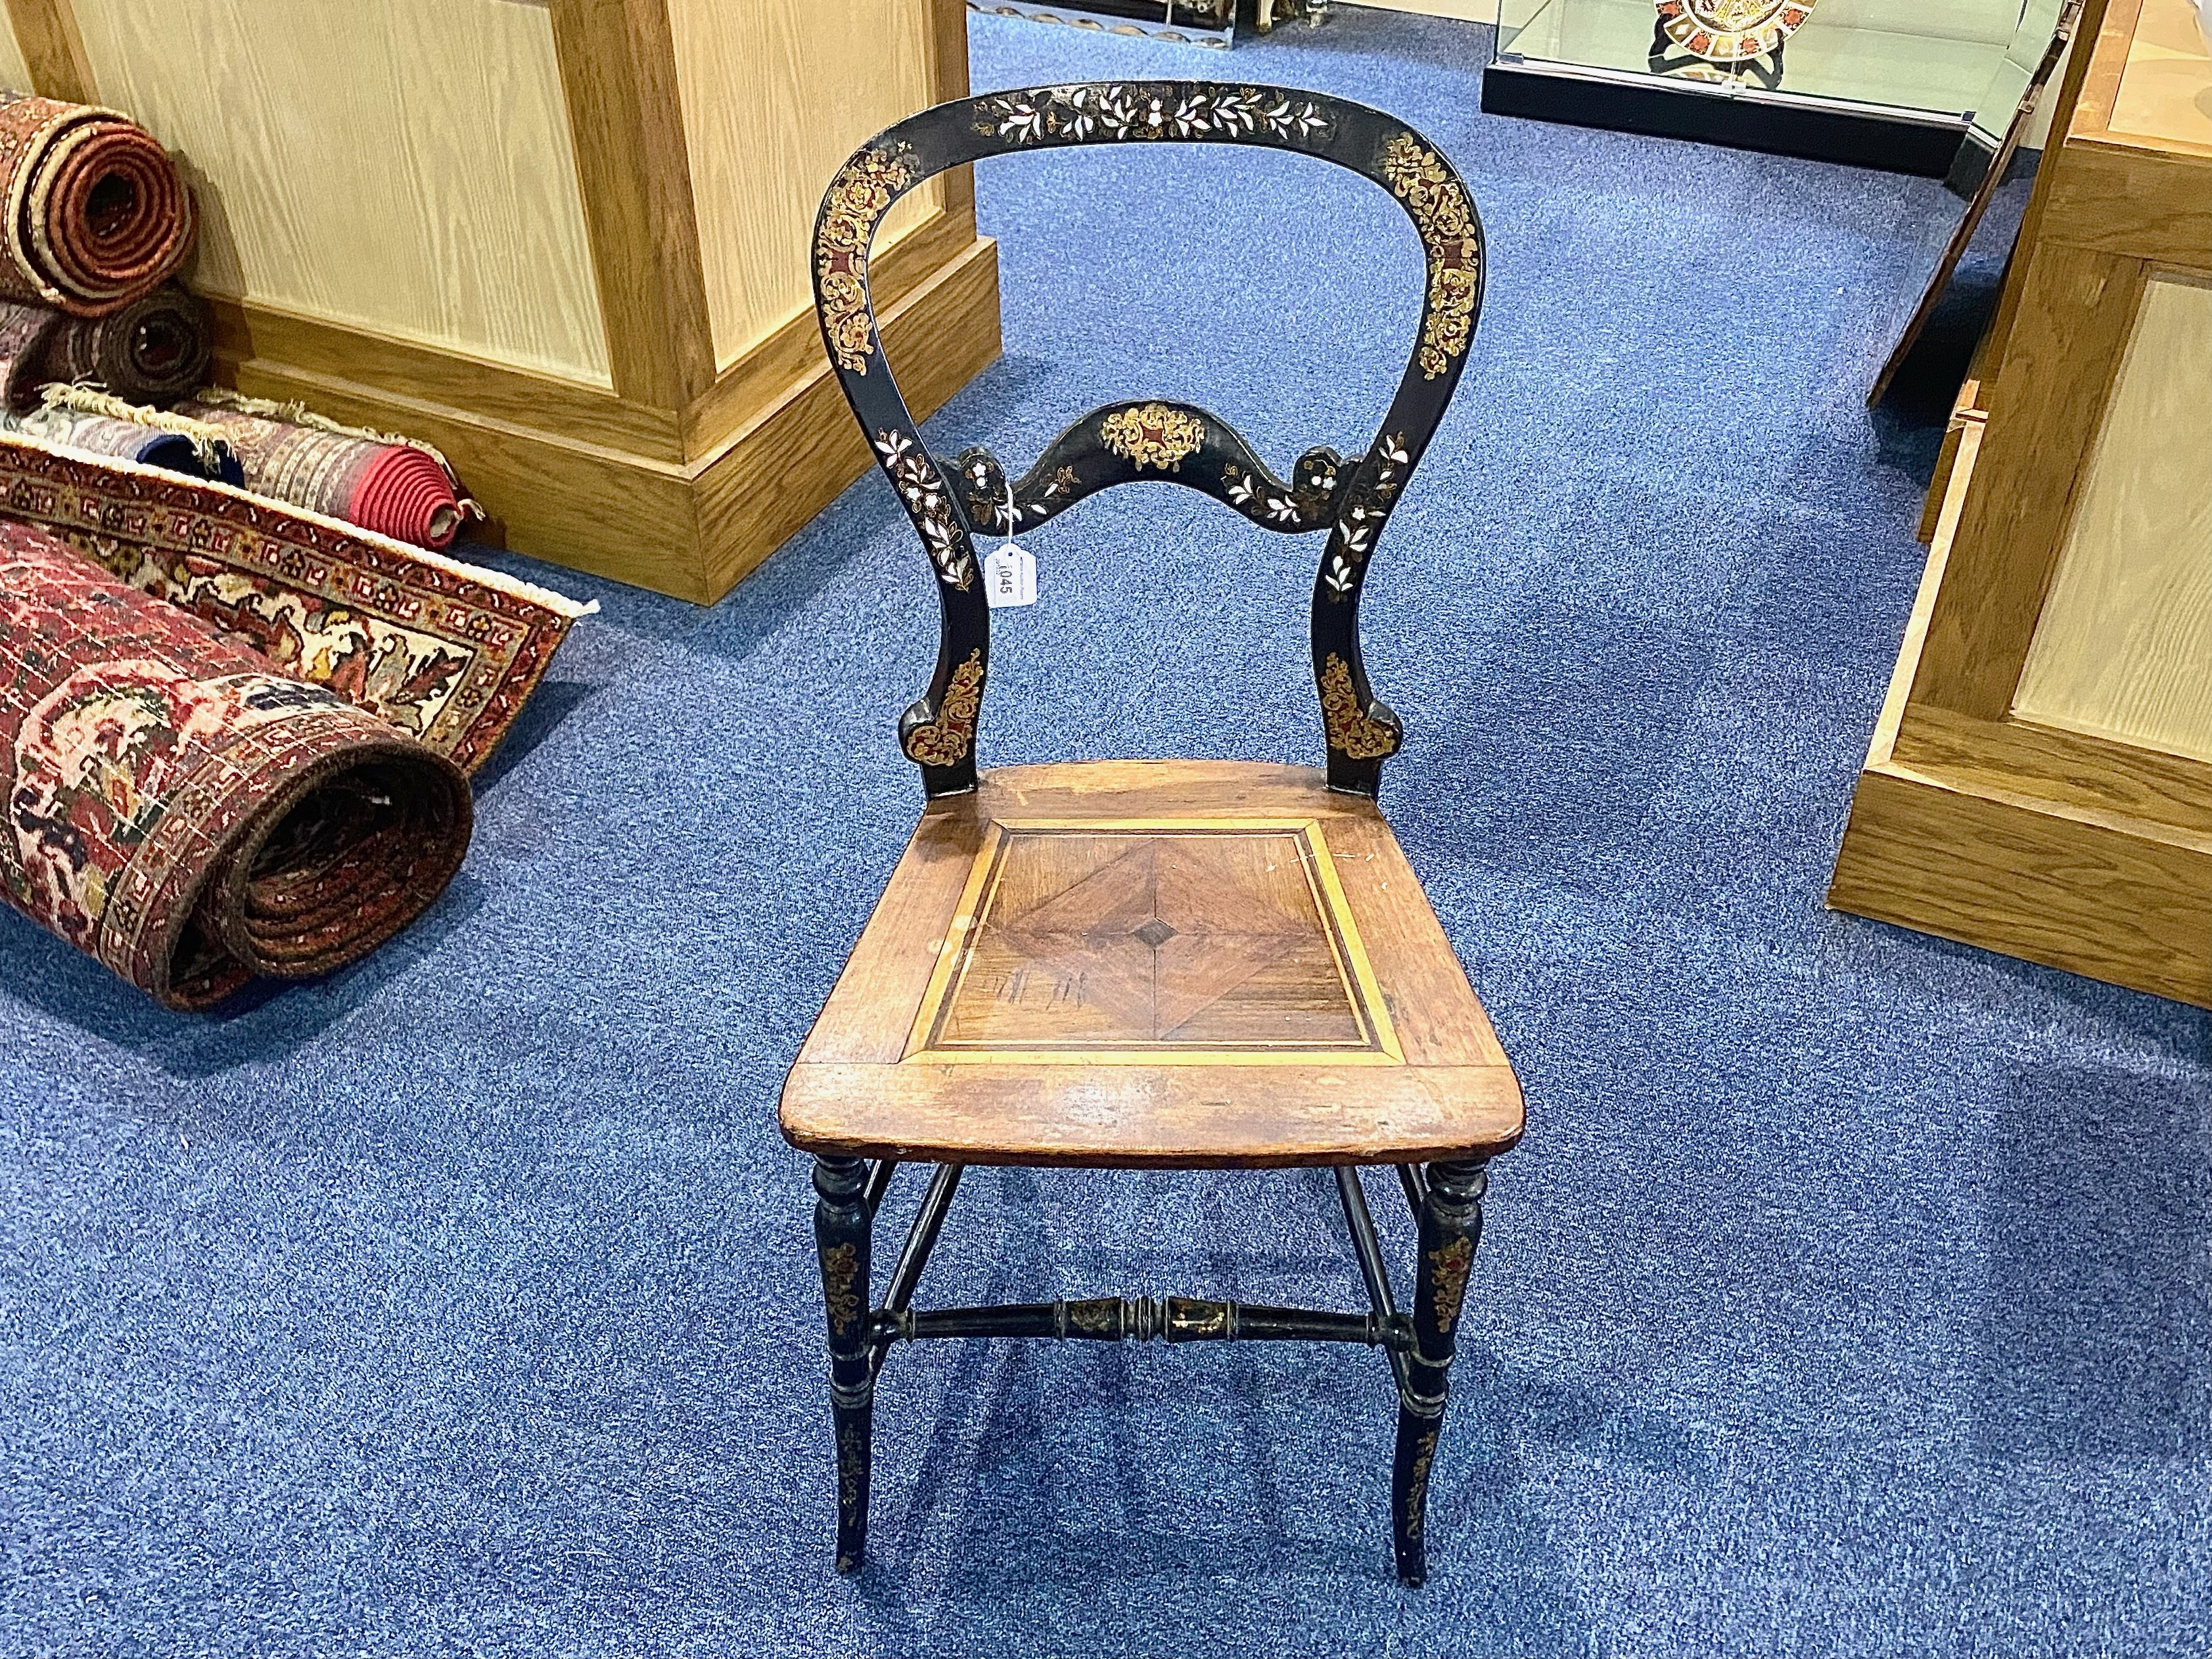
1149 438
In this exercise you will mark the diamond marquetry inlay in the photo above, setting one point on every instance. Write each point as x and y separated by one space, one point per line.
1185 941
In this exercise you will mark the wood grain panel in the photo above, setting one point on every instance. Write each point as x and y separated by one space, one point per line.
2127 201
402 165
14 71
44 49
2014 876
2096 778
587 413
775 94
618 76
2075 318
2123 646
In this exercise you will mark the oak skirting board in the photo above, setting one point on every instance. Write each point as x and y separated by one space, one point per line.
2130 904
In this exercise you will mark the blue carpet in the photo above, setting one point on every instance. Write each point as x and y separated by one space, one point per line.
1849 1295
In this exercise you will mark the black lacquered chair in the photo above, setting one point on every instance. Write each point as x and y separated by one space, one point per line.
1169 964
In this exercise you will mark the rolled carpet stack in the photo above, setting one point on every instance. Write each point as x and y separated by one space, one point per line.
153 350
183 813
180 447
398 489
95 213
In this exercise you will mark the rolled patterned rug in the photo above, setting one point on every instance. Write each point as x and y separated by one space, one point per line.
96 215
196 454
154 350
391 485
447 652
185 814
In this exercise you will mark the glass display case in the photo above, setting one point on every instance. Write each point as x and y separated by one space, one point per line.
2014 81
1181 22
1890 83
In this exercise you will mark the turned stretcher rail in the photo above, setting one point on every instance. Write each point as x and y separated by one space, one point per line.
1145 1319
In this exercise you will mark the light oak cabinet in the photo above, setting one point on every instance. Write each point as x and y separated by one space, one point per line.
566 241
2040 782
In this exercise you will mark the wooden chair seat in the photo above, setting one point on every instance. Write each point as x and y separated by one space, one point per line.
1167 963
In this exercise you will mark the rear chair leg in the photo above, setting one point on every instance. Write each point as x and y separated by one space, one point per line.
1451 1227
842 1220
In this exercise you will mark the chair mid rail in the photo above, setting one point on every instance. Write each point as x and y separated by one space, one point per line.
1152 441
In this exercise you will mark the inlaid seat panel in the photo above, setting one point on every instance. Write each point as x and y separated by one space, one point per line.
1083 964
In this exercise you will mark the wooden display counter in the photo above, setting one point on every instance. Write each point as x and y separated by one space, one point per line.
2040 782
565 241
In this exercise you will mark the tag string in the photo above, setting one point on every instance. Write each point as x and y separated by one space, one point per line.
1012 523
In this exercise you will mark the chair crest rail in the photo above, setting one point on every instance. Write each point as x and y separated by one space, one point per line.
1157 441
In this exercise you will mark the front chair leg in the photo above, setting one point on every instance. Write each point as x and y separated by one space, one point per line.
842 1220
1451 1227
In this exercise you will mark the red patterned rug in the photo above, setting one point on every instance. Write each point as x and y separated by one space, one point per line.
154 350
183 812
96 214
445 652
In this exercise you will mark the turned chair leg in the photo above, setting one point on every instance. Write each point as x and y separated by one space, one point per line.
841 1219
1451 1227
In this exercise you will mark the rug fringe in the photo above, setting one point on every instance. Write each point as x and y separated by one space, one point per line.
90 398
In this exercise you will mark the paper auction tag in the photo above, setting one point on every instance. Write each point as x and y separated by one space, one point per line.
1009 578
